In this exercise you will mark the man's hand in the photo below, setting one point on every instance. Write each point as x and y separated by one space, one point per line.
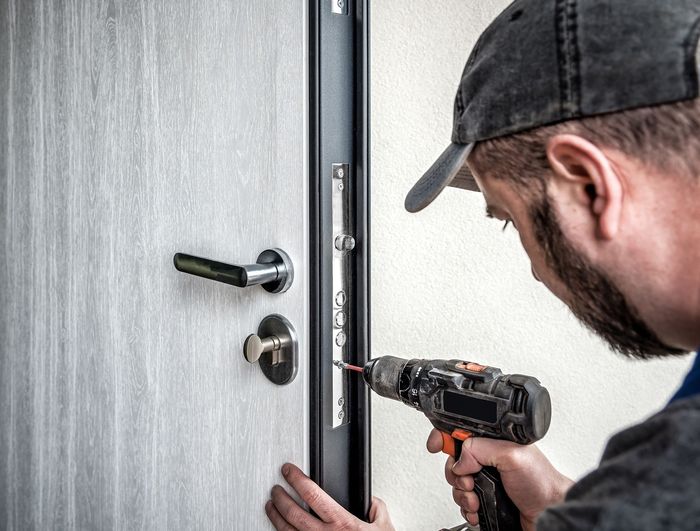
528 477
286 514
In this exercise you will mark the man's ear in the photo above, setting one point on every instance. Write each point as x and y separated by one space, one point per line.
585 173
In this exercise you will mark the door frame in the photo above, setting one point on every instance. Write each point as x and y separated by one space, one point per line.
339 133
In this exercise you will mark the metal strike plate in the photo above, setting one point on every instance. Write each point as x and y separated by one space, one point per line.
339 7
343 244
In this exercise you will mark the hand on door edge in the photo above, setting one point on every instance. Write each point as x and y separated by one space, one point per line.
287 515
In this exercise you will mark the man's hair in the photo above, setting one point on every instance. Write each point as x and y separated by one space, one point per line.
663 137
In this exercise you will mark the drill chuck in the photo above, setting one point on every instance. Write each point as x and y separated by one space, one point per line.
383 375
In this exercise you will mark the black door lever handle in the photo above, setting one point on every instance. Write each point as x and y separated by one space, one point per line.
273 270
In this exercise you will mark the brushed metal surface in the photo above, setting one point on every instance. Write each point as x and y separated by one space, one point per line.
128 131
343 275
281 365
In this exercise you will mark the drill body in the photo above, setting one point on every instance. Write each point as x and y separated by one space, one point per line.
463 396
464 399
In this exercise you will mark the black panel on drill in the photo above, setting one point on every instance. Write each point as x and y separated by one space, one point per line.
339 132
469 407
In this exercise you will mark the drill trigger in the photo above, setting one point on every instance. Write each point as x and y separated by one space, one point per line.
448 444
452 442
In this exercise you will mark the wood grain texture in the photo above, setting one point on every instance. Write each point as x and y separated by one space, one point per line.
131 130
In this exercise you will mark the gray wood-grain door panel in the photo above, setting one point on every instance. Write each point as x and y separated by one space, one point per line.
130 131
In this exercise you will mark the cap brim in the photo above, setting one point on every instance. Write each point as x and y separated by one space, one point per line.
450 169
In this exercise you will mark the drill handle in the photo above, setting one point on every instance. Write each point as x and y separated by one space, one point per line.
497 512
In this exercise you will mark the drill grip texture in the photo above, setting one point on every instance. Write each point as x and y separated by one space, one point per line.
497 512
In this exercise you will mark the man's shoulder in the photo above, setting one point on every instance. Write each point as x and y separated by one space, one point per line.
674 429
648 478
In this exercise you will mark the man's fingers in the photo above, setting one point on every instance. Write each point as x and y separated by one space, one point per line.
468 501
434 443
467 464
276 518
459 482
324 506
481 451
471 518
378 513
464 482
450 476
291 512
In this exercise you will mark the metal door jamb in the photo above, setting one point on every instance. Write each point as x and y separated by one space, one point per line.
339 134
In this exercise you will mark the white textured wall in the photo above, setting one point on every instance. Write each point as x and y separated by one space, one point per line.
447 283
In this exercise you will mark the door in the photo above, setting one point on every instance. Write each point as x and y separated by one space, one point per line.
131 131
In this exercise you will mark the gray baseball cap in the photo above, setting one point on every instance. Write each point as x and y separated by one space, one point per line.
546 61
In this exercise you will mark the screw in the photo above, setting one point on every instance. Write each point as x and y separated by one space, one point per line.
341 414
341 186
341 401
344 242
340 3
340 173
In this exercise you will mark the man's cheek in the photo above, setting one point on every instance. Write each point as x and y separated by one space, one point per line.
541 271
536 256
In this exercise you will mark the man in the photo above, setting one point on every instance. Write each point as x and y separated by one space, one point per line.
579 122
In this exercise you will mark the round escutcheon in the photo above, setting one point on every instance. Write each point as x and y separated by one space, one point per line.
279 367
284 266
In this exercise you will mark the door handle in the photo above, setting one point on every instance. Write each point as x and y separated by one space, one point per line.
273 270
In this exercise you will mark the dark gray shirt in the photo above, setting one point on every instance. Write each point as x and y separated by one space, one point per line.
648 479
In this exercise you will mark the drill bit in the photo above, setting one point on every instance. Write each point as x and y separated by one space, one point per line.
346 366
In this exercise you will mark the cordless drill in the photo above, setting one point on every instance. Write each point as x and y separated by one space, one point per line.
464 399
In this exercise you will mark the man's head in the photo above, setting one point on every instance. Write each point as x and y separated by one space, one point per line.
579 121
600 205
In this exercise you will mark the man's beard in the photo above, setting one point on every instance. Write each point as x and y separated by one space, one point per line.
594 299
